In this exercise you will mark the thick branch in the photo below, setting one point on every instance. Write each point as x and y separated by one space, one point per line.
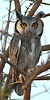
17 5
34 8
46 47
36 72
27 93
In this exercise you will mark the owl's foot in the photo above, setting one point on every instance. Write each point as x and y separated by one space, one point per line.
22 78
31 70
18 80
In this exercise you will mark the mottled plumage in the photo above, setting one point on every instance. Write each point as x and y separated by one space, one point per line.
25 47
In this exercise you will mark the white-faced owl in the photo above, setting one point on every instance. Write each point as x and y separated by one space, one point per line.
25 46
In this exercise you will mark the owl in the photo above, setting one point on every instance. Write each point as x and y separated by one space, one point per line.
25 46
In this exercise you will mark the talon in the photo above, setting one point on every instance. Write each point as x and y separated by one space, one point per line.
31 70
22 78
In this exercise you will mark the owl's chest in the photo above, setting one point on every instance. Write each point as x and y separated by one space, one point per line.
28 46
32 52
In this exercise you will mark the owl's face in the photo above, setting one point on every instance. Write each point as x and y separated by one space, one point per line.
29 25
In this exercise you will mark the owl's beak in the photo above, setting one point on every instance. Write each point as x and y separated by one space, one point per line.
29 32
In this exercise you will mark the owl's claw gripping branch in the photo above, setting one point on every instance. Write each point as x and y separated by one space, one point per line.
30 77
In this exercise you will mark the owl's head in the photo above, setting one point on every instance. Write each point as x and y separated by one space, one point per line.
29 25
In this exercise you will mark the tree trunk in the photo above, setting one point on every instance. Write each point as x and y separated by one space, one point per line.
27 93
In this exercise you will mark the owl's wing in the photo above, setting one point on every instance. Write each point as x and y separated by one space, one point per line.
14 51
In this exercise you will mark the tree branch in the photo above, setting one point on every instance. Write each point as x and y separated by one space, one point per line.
42 78
27 93
46 47
46 3
2 62
17 5
46 15
13 65
5 33
36 72
34 8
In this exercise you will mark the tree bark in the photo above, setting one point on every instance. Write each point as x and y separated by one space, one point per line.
27 93
34 8
17 5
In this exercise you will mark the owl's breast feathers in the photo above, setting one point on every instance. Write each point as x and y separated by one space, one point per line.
25 50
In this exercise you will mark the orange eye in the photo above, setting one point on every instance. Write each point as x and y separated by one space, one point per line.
23 25
35 24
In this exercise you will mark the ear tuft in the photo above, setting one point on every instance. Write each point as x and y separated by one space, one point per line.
19 15
41 13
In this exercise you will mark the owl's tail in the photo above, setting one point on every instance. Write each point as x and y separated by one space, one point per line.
18 89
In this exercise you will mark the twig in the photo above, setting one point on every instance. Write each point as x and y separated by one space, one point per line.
46 15
5 33
2 63
7 26
46 3
27 8
42 78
